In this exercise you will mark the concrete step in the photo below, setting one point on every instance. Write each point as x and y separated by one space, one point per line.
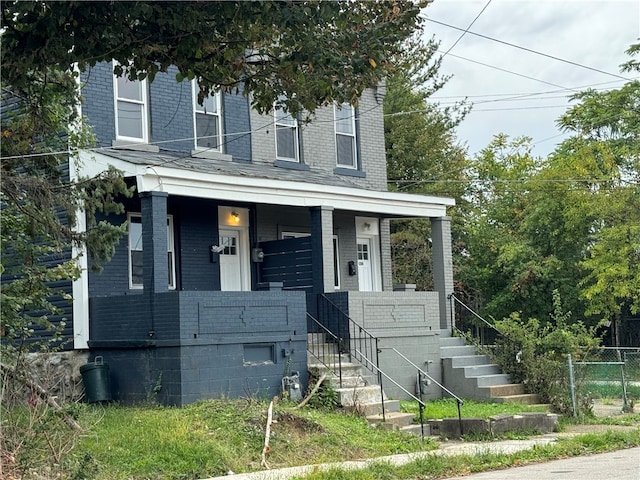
467 360
355 396
375 408
523 398
451 341
348 369
505 390
457 351
391 420
416 429
481 370
488 380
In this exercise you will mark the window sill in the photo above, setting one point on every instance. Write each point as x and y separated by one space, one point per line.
349 172
211 155
291 165
131 145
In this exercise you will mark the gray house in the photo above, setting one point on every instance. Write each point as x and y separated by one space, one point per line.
246 233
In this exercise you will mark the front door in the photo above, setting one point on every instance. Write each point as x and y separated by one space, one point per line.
365 275
232 274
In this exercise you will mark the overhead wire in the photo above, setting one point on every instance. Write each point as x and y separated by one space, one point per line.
466 29
530 50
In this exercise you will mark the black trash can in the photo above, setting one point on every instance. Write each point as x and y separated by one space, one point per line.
97 384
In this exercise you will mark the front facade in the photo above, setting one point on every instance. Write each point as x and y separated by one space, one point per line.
237 222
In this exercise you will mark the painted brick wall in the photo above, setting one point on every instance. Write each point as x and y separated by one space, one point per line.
407 321
171 120
98 105
200 344
237 140
171 112
318 141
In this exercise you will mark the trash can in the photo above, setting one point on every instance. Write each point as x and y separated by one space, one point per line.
97 384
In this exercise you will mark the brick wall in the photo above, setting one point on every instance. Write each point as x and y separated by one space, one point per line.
205 344
407 321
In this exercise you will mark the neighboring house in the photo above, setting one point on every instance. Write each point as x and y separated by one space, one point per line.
241 226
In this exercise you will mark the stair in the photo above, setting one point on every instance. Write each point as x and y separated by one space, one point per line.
360 394
473 376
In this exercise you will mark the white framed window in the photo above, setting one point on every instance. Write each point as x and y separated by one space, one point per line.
135 252
207 120
131 105
346 148
287 142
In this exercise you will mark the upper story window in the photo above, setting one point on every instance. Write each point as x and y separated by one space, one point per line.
131 98
287 141
346 148
207 120
135 252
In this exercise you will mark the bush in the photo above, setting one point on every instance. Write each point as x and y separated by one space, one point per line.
535 354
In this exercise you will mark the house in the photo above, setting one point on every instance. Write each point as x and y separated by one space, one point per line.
245 230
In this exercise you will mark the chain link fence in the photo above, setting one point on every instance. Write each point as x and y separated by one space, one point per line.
607 374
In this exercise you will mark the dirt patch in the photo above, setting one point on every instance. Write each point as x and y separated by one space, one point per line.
296 423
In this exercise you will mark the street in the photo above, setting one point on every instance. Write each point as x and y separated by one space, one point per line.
621 465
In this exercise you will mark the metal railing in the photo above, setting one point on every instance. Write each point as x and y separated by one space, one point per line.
421 373
421 404
326 347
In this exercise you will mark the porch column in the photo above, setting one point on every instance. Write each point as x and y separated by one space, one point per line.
442 266
155 273
385 254
322 249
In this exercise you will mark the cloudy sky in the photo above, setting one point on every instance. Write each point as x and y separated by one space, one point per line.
590 33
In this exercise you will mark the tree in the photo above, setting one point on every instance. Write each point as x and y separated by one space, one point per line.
423 155
606 143
566 223
302 54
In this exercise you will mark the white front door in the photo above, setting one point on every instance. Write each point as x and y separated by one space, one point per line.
365 274
233 265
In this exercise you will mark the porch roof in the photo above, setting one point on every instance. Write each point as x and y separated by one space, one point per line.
262 184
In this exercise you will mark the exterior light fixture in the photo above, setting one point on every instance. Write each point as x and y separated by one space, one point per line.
235 217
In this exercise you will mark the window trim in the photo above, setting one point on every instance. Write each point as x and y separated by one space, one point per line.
171 249
145 112
278 118
199 110
353 135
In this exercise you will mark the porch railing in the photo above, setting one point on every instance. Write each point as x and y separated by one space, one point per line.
326 347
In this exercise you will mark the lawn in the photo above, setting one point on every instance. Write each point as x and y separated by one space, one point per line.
211 438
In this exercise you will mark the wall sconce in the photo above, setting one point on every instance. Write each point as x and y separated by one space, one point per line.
366 226
235 217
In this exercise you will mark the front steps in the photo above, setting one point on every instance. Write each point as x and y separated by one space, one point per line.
473 376
360 394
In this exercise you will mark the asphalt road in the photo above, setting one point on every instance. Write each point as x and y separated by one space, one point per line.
618 465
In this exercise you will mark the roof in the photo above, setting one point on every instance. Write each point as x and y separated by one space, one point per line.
245 182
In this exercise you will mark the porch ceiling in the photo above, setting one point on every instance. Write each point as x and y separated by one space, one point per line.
208 179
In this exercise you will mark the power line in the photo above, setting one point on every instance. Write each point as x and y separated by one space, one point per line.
511 72
529 50
466 29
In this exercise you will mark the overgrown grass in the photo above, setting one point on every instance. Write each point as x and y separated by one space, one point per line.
447 408
214 437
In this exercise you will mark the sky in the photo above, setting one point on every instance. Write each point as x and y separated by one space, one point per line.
591 33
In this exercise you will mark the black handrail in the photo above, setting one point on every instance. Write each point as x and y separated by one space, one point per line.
421 404
352 338
452 298
459 401
325 351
